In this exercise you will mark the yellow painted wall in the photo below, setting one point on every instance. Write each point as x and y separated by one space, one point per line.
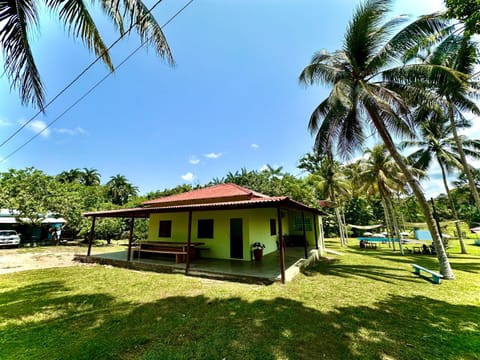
256 227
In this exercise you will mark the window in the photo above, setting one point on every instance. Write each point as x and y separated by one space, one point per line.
165 228
205 229
273 227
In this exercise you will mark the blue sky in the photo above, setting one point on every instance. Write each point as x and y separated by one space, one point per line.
232 100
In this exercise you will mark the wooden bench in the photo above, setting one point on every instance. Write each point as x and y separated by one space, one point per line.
179 254
179 249
436 277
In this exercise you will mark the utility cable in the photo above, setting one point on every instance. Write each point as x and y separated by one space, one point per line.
91 89
79 75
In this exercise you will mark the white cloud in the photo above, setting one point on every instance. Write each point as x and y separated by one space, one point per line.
4 123
77 131
188 177
254 146
38 127
213 155
264 167
194 160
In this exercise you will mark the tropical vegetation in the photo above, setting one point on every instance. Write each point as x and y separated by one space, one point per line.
379 78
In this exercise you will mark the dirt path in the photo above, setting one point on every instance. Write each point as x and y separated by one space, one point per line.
12 260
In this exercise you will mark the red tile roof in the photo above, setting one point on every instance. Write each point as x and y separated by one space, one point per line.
213 194
258 202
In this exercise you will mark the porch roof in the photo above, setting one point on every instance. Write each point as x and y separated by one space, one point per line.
144 212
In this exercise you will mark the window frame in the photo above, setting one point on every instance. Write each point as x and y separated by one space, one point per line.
168 229
205 233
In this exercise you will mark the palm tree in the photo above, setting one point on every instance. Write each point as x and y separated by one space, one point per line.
330 182
370 89
120 189
380 175
20 19
437 143
70 176
458 53
90 177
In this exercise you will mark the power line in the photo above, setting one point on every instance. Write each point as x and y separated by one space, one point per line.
90 90
79 75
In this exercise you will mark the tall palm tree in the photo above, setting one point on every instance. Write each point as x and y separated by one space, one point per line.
369 88
70 176
90 177
437 143
20 19
461 54
380 175
120 189
330 182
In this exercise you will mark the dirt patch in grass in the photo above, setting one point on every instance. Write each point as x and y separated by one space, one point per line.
13 260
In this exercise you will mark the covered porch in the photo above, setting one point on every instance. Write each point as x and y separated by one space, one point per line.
265 271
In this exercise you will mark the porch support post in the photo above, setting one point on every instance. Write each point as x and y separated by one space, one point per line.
305 244
282 245
90 238
189 241
315 224
130 238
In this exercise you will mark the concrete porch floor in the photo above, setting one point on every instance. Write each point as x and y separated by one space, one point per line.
266 271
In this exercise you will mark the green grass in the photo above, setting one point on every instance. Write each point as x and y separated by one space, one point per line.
363 305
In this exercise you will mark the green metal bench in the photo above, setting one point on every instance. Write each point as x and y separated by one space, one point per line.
436 277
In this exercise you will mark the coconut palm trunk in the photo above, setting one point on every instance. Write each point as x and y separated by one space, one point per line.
444 264
396 227
463 248
387 214
463 158
339 218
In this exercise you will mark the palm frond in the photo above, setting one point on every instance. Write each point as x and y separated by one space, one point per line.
79 22
147 27
17 18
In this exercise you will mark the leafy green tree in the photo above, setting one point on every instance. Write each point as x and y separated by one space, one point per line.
358 211
370 88
28 191
20 20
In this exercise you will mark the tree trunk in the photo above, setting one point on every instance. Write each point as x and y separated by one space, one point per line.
386 213
463 158
339 218
444 264
452 206
396 228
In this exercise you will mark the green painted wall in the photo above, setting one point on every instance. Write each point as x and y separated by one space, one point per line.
256 227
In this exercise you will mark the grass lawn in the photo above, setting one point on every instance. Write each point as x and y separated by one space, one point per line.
366 304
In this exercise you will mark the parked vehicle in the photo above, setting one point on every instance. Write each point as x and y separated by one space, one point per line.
9 238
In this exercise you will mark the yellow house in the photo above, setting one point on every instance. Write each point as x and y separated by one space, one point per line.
223 221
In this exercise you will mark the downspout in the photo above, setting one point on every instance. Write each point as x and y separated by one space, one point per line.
90 238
